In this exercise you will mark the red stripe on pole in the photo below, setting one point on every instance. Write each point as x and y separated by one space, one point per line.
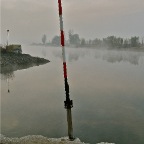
62 38
60 7
65 70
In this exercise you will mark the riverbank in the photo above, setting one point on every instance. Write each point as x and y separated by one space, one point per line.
38 139
14 61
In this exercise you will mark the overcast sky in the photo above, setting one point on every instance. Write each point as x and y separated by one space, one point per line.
28 20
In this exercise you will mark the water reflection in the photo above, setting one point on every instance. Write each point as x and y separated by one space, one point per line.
57 54
8 76
134 58
131 57
7 72
44 52
73 55
12 68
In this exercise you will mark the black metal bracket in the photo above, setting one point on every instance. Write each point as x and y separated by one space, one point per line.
68 104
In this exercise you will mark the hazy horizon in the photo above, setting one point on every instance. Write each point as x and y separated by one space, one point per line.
28 20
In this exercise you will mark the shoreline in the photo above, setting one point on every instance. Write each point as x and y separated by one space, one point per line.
39 139
138 49
13 61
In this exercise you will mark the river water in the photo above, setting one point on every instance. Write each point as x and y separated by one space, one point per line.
106 86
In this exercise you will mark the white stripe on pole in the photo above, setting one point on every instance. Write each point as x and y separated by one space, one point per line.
63 53
61 23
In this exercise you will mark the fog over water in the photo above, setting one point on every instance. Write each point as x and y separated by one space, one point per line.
107 87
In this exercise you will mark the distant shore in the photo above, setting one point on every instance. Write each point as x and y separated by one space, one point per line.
90 47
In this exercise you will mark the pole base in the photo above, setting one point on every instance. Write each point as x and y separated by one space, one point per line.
72 138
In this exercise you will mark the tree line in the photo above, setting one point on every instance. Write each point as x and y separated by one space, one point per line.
74 40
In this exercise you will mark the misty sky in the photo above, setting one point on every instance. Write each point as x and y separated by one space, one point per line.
28 20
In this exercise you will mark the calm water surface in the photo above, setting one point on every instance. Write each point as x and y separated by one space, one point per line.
107 88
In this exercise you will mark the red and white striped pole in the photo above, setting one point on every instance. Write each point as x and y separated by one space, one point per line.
68 103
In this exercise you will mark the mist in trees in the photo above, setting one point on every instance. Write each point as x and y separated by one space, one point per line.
44 38
74 40
109 42
134 41
56 41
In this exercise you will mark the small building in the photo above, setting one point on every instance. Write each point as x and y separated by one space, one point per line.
14 48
